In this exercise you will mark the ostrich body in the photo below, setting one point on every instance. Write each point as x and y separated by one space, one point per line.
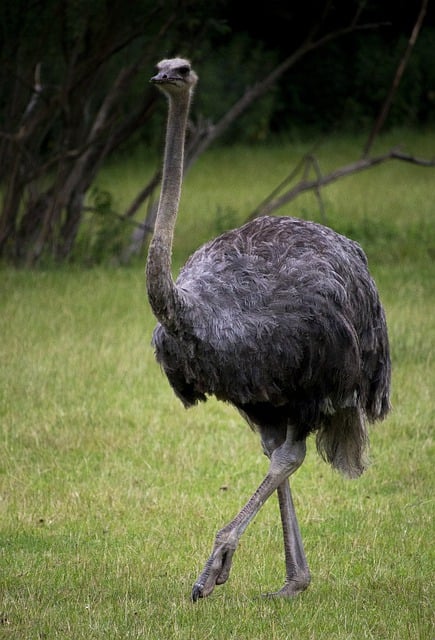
282 319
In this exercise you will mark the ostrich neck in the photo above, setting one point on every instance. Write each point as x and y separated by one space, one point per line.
163 295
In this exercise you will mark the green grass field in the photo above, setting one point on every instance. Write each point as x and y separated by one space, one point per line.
111 493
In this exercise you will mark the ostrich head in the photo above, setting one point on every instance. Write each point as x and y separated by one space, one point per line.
174 76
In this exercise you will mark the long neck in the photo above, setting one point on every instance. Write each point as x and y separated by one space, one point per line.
163 295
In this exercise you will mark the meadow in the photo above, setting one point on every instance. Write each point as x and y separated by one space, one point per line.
111 493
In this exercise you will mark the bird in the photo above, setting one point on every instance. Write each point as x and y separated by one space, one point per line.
279 318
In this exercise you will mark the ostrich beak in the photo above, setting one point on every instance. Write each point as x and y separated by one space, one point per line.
159 78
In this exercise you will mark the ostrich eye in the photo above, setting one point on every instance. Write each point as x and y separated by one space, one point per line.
184 70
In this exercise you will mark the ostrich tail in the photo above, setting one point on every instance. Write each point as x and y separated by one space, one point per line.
343 442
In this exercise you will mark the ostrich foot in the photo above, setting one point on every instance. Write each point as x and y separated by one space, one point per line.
216 571
291 588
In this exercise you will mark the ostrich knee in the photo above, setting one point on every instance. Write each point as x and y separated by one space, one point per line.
287 458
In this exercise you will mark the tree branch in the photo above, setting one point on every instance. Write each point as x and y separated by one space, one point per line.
383 113
257 90
270 205
206 132
119 216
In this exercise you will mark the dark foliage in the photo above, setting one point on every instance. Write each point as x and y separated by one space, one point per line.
74 90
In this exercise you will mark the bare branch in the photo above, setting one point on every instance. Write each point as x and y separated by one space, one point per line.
120 217
206 132
312 160
359 10
37 90
271 205
379 123
257 90
143 195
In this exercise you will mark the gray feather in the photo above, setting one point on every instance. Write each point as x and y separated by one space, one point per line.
282 319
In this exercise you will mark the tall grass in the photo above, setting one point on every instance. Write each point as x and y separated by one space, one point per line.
110 493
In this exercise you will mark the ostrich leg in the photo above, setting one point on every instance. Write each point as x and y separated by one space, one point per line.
297 571
284 460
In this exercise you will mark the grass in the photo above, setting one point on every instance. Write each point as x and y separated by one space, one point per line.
110 493
389 209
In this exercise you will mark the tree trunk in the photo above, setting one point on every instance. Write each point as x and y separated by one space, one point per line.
59 133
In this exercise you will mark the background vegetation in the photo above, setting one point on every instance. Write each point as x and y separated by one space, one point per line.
74 96
110 493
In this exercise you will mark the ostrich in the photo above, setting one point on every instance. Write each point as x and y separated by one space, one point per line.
280 318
